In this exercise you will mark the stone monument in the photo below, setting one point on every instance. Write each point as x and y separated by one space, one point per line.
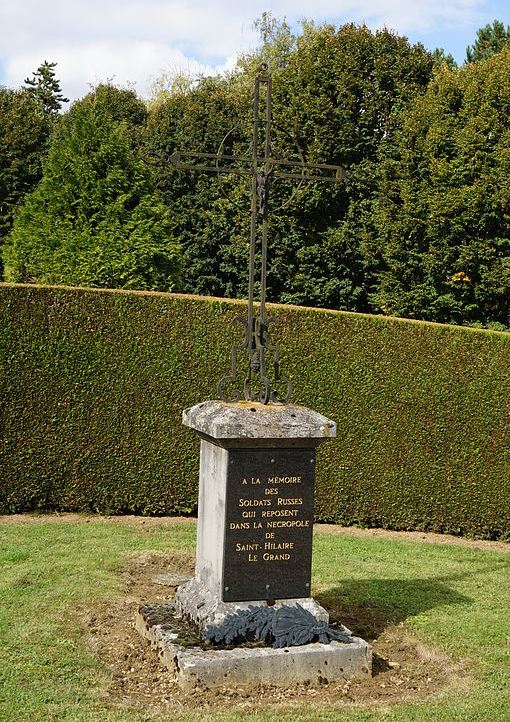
256 496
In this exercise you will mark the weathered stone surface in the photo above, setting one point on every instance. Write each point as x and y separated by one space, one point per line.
195 667
195 602
241 420
211 515
279 443
227 429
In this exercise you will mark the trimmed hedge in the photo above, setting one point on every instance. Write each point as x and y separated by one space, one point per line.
94 383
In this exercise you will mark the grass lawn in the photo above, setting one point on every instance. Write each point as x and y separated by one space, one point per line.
450 599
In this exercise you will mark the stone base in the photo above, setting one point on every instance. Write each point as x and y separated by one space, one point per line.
194 666
195 603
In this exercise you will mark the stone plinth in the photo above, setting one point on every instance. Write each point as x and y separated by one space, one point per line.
254 550
255 511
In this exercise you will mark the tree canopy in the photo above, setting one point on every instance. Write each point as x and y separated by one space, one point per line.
95 219
24 133
334 95
27 117
443 209
418 227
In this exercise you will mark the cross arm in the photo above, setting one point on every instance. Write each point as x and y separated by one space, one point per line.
296 169
333 173
176 159
305 177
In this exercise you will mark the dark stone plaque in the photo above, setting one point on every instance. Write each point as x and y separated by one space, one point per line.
269 519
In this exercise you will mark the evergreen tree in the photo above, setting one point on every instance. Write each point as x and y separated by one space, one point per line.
24 133
443 211
441 56
95 219
45 87
489 40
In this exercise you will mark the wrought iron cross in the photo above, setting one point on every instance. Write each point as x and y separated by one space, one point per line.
262 168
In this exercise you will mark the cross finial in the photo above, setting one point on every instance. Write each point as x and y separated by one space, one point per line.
263 169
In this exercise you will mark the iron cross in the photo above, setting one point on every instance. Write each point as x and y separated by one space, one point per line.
263 169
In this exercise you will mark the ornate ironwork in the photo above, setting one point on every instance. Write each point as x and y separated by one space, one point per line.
263 169
284 626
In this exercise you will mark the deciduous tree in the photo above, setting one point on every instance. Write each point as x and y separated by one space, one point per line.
335 94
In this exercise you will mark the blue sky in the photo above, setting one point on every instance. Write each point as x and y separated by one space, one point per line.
132 42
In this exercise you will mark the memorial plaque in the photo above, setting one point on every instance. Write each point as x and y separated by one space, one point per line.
268 524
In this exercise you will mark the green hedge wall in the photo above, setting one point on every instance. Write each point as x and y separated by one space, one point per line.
94 382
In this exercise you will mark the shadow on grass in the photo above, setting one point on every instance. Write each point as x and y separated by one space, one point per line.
369 606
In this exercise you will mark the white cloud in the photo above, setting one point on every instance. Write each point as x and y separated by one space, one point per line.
133 63
124 40
402 15
131 41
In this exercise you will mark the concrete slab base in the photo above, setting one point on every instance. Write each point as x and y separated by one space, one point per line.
194 666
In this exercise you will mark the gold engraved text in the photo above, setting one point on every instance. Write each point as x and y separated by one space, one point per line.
282 501
254 502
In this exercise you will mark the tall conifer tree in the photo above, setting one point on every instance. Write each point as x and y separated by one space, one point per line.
95 218
489 40
45 87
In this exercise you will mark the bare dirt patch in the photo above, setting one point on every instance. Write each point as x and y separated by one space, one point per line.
404 670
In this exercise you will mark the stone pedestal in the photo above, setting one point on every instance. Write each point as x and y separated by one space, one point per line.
255 509
254 547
